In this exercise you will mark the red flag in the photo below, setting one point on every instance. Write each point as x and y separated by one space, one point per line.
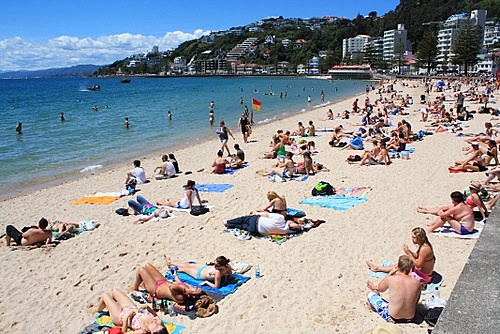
256 104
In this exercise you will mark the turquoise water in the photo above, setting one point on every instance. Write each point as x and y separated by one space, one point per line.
49 150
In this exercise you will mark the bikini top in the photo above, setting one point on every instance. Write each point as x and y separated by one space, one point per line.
136 322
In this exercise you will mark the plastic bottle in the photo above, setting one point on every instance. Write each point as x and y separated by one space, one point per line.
257 271
171 310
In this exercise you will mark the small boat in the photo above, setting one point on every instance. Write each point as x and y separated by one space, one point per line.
126 80
94 87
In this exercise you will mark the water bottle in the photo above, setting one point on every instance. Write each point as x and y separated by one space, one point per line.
171 310
257 271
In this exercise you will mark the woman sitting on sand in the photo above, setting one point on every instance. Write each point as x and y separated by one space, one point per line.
378 156
278 149
472 200
459 215
423 258
285 168
277 204
214 274
186 202
220 164
476 163
143 207
126 314
337 136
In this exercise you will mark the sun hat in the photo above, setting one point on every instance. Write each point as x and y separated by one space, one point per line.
475 185
474 143
163 214
385 328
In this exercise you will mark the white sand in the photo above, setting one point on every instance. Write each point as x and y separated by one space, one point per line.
312 283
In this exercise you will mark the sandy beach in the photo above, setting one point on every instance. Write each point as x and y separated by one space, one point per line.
313 283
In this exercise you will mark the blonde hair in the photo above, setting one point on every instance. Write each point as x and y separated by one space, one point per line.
405 264
272 195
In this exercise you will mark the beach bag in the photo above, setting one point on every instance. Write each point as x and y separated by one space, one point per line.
199 210
432 315
122 211
323 189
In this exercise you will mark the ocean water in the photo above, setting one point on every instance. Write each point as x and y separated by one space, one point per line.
49 150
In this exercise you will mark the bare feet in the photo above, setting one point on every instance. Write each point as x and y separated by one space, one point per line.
168 260
420 209
372 267
98 307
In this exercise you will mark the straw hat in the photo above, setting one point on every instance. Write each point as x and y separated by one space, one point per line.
475 185
385 328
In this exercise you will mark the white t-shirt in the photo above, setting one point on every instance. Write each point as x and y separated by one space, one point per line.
139 174
274 224
170 169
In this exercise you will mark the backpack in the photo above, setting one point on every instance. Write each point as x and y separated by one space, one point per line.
323 189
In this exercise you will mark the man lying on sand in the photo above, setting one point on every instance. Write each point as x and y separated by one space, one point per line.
31 235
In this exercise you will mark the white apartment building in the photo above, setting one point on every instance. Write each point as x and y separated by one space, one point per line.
393 39
491 35
448 35
354 47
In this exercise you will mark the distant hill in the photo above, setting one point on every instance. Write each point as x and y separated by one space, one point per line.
79 70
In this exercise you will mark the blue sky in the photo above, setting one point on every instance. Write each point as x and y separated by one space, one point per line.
38 34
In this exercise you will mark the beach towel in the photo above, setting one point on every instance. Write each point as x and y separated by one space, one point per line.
231 171
447 231
214 187
103 321
100 200
336 202
188 210
157 219
353 191
457 170
228 288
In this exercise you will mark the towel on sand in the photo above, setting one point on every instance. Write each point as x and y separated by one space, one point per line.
101 200
228 288
213 187
335 202
447 231
103 320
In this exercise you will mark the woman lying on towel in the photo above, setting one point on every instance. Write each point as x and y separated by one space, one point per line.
458 215
214 274
277 204
264 223
155 283
143 207
126 314
423 258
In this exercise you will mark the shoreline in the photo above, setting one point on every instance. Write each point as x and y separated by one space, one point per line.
322 273
76 174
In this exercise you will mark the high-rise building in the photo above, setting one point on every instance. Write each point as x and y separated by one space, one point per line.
354 47
393 41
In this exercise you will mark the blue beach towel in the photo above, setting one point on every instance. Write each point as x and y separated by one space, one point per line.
225 290
213 187
334 202
231 171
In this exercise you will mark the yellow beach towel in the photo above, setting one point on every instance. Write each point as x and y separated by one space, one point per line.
102 200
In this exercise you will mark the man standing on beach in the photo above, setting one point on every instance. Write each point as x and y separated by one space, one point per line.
460 102
404 293
31 236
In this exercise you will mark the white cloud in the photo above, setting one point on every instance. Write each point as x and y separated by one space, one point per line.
17 53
